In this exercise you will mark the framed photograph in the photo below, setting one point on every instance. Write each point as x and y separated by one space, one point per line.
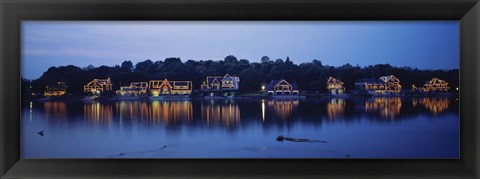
239 89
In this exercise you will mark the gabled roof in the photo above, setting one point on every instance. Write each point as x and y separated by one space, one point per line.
334 80
210 79
216 80
436 80
219 79
165 81
100 82
170 84
274 83
271 85
227 77
283 82
93 82
388 78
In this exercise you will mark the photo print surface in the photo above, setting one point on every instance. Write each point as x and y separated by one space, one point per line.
240 89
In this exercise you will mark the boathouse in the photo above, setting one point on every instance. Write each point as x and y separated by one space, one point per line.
220 86
97 86
281 87
435 85
135 89
335 86
384 85
58 89
165 87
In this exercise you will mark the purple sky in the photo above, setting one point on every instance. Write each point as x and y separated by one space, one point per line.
419 44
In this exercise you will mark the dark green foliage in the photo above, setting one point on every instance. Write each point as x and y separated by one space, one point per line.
311 76
127 66
250 80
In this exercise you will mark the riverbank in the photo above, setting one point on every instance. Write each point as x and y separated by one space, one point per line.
246 96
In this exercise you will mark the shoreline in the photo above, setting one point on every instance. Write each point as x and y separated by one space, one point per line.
240 97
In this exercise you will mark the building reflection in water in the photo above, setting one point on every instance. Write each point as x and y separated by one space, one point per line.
98 113
55 110
263 110
166 112
30 111
386 107
225 112
434 105
335 108
282 109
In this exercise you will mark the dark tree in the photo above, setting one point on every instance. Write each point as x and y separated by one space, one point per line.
127 66
265 59
230 59
310 76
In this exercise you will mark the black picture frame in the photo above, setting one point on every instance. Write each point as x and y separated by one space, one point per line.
14 11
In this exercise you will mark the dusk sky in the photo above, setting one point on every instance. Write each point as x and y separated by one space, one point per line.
418 44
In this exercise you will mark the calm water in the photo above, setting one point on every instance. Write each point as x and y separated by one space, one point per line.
354 127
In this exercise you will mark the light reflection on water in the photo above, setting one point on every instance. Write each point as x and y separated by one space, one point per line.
386 107
55 110
282 109
96 113
434 105
224 112
335 107
227 111
191 124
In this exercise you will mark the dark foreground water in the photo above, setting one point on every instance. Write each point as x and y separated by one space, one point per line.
353 128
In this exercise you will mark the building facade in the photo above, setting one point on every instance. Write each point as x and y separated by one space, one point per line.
281 87
135 89
392 84
97 86
165 87
369 85
59 89
435 85
385 85
220 86
335 86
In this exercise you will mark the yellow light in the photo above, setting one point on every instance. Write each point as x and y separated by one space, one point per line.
263 87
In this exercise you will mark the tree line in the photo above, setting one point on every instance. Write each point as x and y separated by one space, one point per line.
310 76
